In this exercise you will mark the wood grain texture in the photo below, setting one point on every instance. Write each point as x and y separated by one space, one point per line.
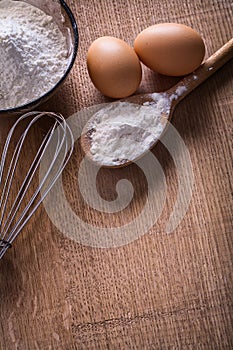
161 291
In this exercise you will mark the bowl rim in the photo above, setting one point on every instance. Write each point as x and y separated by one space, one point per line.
38 100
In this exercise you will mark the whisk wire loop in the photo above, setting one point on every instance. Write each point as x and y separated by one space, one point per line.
56 147
25 185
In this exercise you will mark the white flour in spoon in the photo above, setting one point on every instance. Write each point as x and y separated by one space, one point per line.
123 131
33 53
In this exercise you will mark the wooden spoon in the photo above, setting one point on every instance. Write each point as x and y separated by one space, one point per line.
184 87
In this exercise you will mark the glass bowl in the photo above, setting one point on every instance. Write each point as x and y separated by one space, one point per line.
65 20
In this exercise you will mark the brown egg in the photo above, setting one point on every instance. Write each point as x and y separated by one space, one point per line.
170 48
114 67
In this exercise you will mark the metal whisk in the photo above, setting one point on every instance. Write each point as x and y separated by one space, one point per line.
57 145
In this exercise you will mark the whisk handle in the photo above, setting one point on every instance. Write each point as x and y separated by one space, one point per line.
4 245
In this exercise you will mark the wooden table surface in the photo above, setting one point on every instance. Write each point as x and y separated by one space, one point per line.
161 291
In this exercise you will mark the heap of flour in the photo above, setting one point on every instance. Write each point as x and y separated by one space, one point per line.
33 53
123 131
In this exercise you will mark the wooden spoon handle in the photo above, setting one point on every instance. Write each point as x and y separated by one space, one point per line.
209 67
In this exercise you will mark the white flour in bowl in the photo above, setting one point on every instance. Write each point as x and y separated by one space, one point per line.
123 131
33 53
